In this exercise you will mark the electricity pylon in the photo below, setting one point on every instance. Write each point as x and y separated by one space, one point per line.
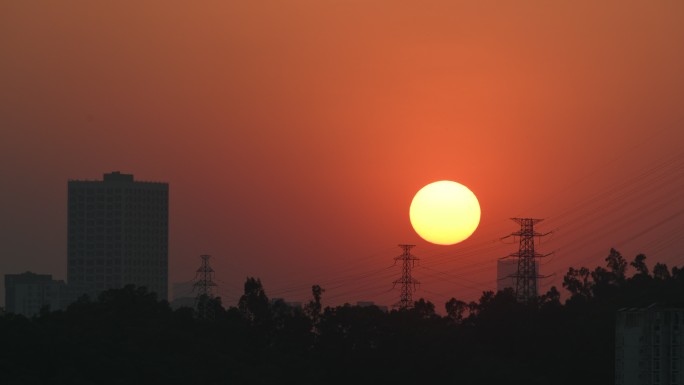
527 276
408 283
204 287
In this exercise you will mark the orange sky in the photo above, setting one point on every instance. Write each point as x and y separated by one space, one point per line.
295 133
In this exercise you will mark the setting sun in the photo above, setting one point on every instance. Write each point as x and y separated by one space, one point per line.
444 212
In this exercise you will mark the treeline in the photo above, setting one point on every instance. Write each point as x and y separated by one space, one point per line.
127 336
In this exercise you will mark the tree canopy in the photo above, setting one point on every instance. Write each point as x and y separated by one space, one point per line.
128 336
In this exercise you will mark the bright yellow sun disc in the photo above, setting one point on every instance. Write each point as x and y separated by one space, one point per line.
444 212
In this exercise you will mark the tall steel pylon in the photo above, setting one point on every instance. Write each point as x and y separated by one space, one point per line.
527 275
408 283
204 287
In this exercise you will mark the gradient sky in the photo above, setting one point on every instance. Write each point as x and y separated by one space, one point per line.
295 133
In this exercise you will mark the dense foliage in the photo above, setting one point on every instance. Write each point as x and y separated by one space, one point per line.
128 337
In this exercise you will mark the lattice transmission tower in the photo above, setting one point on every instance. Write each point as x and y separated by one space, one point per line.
204 288
408 283
527 276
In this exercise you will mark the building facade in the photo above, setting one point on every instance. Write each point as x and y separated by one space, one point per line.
29 293
117 234
183 295
648 346
507 271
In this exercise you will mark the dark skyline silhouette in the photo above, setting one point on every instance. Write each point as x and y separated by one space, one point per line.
128 335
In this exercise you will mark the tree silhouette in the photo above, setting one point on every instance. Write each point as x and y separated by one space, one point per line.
661 272
253 303
639 264
578 282
424 309
456 309
128 336
314 307
617 264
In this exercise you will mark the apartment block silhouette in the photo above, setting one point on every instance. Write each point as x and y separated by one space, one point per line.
117 234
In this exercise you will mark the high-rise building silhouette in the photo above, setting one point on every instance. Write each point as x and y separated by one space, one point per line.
117 234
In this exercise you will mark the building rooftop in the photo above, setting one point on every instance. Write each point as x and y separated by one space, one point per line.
115 177
678 305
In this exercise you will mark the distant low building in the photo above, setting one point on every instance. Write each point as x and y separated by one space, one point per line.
290 304
506 269
183 290
183 295
506 272
371 303
182 302
28 293
648 345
